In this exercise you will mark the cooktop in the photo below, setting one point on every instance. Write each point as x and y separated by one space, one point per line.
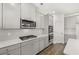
27 37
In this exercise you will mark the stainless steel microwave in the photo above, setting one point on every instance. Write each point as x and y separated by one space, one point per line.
27 24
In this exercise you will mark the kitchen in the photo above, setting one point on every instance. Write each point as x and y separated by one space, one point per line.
39 28
24 30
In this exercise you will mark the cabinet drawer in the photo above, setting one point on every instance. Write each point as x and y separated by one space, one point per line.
36 40
26 43
41 45
12 47
3 50
14 52
27 50
41 38
4 54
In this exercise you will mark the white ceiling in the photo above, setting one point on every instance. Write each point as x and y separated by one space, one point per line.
64 8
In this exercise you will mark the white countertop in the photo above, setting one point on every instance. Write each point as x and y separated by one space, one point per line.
42 35
16 41
72 47
9 42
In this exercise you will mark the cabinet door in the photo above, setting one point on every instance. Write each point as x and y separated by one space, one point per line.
4 54
27 11
0 15
32 12
41 44
3 51
37 19
46 41
77 31
27 49
11 15
14 49
40 19
51 20
36 46
14 52
77 19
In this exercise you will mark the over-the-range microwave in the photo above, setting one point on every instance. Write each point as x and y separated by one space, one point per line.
27 24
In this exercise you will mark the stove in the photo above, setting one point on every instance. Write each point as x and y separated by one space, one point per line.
27 37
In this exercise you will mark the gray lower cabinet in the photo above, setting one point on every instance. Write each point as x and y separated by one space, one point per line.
4 54
46 42
27 48
43 42
41 47
36 46
3 51
30 47
14 52
10 50
14 49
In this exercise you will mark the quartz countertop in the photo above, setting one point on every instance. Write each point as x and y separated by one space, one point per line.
71 47
17 40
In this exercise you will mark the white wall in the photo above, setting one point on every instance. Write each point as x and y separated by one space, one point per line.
58 28
70 27
14 34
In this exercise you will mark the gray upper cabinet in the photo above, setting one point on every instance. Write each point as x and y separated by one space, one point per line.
28 11
39 19
50 20
12 12
11 15
0 15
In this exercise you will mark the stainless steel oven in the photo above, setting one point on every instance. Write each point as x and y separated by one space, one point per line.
50 30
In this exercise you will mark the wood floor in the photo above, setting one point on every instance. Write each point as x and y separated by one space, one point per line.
53 49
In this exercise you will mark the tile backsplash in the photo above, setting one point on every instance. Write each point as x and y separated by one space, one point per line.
14 34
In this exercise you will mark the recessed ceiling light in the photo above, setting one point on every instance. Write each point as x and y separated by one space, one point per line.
12 4
53 12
